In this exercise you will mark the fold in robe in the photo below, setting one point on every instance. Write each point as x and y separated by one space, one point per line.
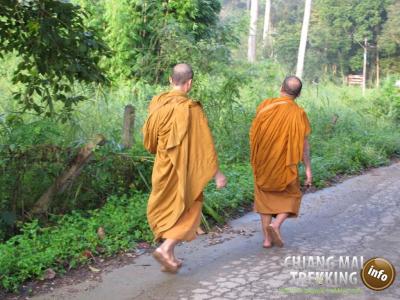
177 131
276 140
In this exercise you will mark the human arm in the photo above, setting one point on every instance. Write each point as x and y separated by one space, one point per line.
307 162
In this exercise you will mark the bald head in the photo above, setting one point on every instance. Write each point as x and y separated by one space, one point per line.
181 74
292 86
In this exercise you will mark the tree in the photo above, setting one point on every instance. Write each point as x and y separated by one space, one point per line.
286 19
389 40
148 37
251 54
267 21
56 50
336 30
303 39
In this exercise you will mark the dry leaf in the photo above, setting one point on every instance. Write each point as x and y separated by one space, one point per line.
87 253
101 233
94 270
143 245
49 274
200 231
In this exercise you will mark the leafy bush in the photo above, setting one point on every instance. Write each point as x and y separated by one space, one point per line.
63 245
150 37
387 100
55 49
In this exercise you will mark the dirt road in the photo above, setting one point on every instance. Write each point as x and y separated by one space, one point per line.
357 218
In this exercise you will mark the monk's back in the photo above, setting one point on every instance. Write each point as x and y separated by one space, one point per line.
278 141
176 130
276 138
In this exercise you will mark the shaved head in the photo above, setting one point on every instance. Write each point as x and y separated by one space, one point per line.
181 74
292 86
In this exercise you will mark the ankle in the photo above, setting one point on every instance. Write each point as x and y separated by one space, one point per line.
163 249
276 225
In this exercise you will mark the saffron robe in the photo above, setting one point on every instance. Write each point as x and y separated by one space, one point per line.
177 131
277 139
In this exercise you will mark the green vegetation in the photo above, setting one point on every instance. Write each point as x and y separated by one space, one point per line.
133 44
55 49
360 138
336 35
73 238
65 244
162 33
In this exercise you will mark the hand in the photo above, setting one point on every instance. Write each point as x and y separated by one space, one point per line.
220 180
308 182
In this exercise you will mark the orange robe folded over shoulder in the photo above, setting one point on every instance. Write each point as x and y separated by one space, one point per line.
177 131
276 140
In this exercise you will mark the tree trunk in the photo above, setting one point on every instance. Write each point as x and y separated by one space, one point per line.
129 122
251 54
303 39
67 177
266 23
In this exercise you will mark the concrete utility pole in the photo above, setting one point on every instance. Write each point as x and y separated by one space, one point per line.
303 39
378 76
251 54
365 67
267 18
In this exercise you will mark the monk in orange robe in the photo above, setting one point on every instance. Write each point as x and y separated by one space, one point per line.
279 141
177 131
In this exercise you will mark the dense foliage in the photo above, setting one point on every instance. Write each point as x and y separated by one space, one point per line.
336 35
389 40
64 245
55 50
161 34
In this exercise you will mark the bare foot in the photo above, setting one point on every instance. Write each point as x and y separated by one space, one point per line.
267 244
178 263
275 235
267 240
167 262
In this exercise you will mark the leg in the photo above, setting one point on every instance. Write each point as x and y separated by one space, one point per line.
280 218
274 229
168 247
183 230
165 255
265 222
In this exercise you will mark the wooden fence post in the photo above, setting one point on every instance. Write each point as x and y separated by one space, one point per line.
129 123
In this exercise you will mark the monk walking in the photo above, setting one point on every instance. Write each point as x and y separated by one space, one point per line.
176 130
279 141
